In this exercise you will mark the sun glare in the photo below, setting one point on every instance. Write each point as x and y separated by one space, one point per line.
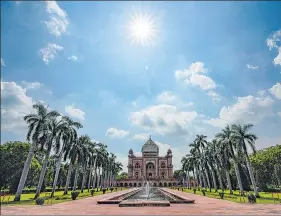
142 29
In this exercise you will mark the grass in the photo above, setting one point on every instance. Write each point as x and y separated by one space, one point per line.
28 199
265 197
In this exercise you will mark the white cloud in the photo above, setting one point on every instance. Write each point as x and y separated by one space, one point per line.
252 67
116 133
274 41
57 23
177 153
2 62
167 97
48 53
31 85
276 90
75 112
15 104
163 119
73 58
246 109
192 76
141 137
277 59
215 96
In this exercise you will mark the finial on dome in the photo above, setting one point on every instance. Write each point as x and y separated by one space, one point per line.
150 136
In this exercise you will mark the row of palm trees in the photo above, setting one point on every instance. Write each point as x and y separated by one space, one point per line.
228 148
51 133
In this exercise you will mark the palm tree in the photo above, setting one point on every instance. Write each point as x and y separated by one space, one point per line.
36 124
226 137
214 147
209 153
48 141
242 137
201 142
66 136
93 149
224 155
79 155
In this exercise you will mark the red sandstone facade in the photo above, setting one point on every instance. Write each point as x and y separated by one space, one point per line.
149 167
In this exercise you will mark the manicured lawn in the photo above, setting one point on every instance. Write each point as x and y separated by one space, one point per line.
28 199
265 198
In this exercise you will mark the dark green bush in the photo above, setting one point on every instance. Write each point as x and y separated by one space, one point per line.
103 190
194 190
92 192
221 195
252 198
40 201
74 195
204 192
111 189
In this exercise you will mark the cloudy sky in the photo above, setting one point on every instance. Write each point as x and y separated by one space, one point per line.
129 69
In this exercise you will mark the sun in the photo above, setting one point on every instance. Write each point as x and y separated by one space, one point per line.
142 29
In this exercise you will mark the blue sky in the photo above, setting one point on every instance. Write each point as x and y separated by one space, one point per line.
209 64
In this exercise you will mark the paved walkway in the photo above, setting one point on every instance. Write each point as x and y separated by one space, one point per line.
203 205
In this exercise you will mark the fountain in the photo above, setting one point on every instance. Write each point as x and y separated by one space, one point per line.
147 195
147 190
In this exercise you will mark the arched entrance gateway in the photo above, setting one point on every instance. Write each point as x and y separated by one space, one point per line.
150 166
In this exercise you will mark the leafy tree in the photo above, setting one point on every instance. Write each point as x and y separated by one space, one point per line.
13 156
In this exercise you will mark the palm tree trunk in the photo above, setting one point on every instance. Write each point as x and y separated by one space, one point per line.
220 178
42 174
252 176
238 176
94 179
25 172
208 179
214 178
90 177
76 177
68 178
83 181
204 178
58 165
91 171
188 180
98 179
228 181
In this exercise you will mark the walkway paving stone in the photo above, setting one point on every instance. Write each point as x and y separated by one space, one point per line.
88 206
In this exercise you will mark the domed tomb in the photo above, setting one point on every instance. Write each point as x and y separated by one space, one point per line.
150 148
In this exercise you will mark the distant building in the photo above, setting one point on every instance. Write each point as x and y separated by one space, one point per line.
149 167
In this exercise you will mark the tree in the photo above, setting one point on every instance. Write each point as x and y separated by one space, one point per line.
67 134
36 128
13 156
242 137
226 137
52 129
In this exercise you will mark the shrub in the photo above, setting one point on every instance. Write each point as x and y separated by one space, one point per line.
221 195
252 198
74 195
92 192
103 190
40 201
204 192
194 190
111 189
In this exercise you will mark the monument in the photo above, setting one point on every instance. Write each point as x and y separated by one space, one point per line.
149 167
